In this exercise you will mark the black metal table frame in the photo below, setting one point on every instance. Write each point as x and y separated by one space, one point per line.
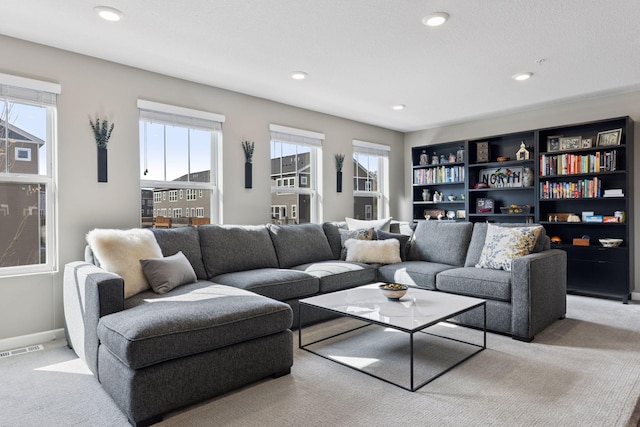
370 322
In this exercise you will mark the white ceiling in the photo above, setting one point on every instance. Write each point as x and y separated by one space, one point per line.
362 56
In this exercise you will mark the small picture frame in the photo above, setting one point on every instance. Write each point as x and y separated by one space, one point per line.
609 137
570 143
484 206
553 143
461 214
586 143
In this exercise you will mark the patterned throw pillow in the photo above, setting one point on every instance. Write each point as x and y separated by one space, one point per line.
373 251
363 234
502 244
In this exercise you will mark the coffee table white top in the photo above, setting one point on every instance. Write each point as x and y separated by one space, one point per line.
417 309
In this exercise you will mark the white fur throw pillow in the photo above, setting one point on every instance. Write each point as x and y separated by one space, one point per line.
373 251
120 252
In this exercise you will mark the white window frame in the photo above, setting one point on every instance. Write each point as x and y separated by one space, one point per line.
35 92
173 195
382 152
313 140
195 119
294 211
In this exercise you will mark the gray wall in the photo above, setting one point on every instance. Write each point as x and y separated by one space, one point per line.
32 304
577 111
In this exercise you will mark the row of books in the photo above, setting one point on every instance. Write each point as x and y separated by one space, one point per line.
567 164
584 188
438 175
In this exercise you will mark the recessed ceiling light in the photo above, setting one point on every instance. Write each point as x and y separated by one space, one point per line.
109 13
299 75
435 19
399 107
522 76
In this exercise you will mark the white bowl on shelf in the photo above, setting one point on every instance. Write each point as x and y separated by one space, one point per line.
610 243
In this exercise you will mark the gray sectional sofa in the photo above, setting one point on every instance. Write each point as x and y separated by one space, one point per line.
154 353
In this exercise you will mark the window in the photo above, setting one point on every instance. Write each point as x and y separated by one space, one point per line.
157 196
370 180
179 151
23 154
27 198
296 159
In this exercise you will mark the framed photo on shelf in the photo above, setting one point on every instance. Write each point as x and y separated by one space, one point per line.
570 143
484 206
461 214
553 143
609 137
586 143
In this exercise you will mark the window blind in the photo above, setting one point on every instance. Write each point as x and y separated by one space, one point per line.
179 116
296 136
30 91
365 147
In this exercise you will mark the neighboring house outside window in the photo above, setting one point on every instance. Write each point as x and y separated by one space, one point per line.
179 151
296 160
27 197
370 180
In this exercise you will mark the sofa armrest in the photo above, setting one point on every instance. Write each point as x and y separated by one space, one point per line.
89 292
538 292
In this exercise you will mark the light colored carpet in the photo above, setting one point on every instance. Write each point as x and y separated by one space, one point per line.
581 371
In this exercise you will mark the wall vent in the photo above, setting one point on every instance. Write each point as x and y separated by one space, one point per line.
20 351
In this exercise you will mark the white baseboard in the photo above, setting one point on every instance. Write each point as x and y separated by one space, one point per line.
31 339
635 296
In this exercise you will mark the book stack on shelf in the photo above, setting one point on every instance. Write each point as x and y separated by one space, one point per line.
437 175
613 192
568 164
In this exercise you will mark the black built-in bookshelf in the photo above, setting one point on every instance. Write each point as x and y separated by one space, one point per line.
579 170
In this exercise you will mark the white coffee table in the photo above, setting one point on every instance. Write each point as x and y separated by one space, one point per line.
417 311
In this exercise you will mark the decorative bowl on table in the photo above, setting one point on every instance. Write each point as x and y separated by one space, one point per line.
393 291
610 243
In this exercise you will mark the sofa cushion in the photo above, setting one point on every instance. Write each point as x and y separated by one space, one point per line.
217 316
373 251
299 244
336 275
412 273
502 244
280 284
332 231
444 242
120 252
363 234
164 274
229 248
378 224
402 238
476 282
480 233
185 239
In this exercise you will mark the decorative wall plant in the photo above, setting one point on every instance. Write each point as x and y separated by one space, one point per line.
339 164
248 147
102 133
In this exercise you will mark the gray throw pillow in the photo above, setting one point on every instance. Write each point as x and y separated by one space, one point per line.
402 238
364 234
164 274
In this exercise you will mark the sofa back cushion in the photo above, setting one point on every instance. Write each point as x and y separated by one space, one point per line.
299 244
332 231
444 242
230 248
185 239
480 234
